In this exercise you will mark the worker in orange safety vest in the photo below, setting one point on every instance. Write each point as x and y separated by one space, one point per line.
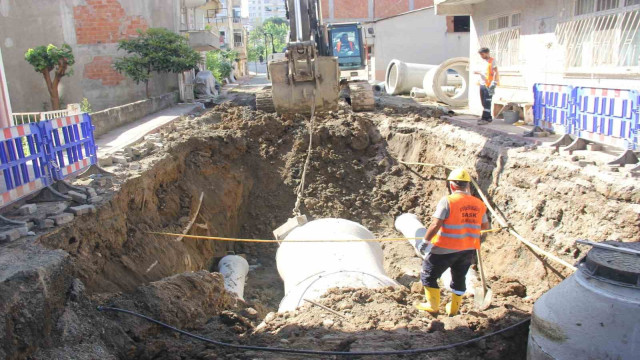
490 79
452 240
344 44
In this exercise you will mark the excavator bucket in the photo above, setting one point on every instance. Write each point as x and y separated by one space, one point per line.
296 97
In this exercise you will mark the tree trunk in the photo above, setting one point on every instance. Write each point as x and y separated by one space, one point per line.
53 90
146 84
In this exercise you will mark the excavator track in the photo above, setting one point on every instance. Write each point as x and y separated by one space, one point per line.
362 96
264 100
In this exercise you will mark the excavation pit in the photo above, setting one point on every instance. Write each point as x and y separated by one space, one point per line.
247 166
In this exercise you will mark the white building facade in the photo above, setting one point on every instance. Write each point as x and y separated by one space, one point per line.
588 43
261 10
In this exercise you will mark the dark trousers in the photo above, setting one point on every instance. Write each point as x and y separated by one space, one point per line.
486 99
435 264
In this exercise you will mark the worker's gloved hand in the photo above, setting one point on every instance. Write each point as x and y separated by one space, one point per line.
424 248
492 88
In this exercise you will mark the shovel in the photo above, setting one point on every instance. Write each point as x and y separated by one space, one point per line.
484 294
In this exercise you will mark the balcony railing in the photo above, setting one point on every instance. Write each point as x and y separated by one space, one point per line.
204 40
238 44
24 118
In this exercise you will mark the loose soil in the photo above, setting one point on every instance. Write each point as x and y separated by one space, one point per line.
248 164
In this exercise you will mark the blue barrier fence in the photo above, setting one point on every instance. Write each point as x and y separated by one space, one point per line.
606 116
35 155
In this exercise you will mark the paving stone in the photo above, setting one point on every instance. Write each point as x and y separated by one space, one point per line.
83 209
11 234
28 209
63 218
78 197
95 199
56 208
46 224
105 161
91 192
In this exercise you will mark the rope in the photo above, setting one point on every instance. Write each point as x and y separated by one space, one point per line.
296 209
316 352
503 222
217 238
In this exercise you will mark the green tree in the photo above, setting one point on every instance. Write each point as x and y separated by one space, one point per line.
46 59
256 45
220 63
156 50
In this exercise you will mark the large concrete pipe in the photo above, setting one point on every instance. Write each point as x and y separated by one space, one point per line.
234 269
401 77
310 268
411 227
438 77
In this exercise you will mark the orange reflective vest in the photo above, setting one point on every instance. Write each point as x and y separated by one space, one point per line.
339 46
461 230
489 75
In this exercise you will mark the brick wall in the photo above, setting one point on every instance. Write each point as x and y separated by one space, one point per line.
104 22
359 9
101 68
352 8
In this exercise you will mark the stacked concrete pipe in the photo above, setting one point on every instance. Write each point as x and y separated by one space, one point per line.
401 77
409 78
436 78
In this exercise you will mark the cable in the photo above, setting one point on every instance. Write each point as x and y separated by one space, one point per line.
180 236
316 352
296 208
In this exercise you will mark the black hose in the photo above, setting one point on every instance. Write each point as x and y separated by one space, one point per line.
316 352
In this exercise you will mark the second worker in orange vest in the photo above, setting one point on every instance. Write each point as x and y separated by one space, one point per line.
490 79
453 238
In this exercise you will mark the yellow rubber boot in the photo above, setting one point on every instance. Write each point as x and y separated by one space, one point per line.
454 305
433 300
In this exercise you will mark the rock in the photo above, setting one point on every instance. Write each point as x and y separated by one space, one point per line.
76 290
327 323
270 317
417 287
105 161
78 197
120 160
251 313
27 209
134 166
63 218
83 209
584 163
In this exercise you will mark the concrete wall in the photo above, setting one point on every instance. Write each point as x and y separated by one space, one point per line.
111 118
541 58
92 28
416 37
5 104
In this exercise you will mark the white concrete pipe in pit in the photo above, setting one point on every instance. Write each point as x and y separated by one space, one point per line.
411 227
309 269
401 77
234 269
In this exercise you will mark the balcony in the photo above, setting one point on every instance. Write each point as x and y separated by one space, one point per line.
203 40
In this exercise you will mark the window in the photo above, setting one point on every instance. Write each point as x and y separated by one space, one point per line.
504 22
461 24
504 46
601 41
346 46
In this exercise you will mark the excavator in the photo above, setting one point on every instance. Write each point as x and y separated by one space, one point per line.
320 64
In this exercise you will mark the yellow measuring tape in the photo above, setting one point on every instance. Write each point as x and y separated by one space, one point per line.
294 241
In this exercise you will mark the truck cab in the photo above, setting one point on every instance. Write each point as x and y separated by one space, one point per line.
346 42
